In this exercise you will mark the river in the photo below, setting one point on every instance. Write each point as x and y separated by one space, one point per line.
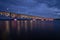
30 30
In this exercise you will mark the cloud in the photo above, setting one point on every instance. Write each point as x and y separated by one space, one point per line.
50 3
44 8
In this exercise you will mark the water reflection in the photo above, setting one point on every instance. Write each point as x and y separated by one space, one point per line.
46 25
27 28
31 25
25 25
18 25
7 26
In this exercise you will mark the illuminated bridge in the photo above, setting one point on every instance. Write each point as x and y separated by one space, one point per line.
12 16
19 21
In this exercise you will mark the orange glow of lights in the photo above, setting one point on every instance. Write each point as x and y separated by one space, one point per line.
42 19
25 25
7 26
51 19
18 25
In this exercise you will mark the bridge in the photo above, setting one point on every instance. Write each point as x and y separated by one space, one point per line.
12 20
24 16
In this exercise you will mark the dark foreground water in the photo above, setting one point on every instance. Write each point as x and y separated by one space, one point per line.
39 30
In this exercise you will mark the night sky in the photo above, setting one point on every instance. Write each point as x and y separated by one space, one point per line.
43 8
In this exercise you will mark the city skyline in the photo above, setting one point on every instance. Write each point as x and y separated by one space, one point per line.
44 8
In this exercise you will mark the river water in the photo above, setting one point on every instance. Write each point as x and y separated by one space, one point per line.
34 30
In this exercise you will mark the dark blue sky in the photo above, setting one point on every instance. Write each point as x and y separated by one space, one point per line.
44 8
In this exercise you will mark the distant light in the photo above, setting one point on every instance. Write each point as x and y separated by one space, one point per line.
15 19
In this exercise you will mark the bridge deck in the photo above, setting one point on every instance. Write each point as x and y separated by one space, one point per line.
5 18
13 19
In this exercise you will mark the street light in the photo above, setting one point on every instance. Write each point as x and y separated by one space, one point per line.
15 19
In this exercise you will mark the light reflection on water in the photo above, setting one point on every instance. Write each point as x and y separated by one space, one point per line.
29 29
